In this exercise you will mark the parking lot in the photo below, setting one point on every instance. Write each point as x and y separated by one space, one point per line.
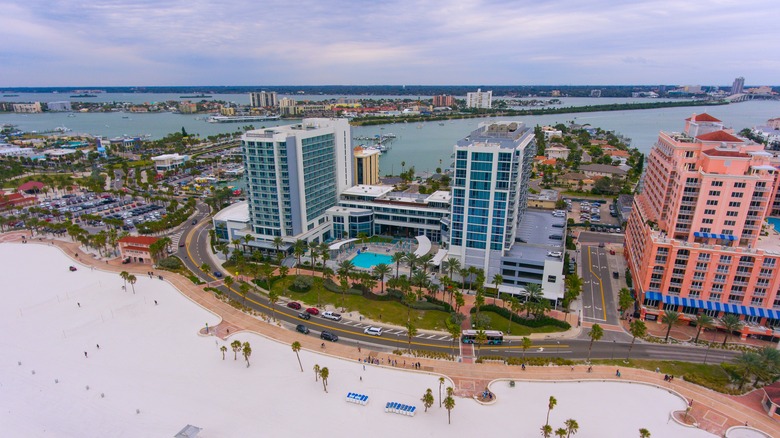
598 213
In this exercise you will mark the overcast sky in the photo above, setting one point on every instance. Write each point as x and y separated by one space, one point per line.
361 42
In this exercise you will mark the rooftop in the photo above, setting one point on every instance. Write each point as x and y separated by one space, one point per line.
719 136
238 212
373 191
725 153
602 168
703 117
139 240
169 157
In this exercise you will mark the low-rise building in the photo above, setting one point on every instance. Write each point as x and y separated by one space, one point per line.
479 99
166 162
135 249
59 106
603 170
559 152
34 107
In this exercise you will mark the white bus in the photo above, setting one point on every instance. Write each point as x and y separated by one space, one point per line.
494 337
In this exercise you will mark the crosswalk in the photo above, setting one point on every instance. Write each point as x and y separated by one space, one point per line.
399 333
175 238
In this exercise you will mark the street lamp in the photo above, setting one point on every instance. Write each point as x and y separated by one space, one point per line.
706 353
614 344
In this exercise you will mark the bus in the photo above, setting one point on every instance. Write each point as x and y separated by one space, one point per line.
494 337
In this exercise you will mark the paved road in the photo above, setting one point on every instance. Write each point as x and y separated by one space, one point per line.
588 237
350 330
598 296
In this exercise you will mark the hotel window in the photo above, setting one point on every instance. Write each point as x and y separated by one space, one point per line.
730 223
717 184
705 230
709 211
712 202
727 232
732 213
734 204
739 185
706 221
714 192
769 262
737 194
755 301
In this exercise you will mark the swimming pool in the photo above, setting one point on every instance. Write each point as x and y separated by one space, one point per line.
368 260
775 222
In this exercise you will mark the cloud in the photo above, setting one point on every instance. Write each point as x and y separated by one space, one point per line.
169 42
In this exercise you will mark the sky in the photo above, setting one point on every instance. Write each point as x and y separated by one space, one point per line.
365 42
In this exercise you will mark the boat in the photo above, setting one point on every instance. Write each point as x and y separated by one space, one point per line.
62 129
83 95
441 123
71 115
237 119
125 117
10 95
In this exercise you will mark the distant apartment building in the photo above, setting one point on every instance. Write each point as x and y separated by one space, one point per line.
595 93
186 107
773 123
479 99
27 107
695 239
443 100
366 166
59 106
263 99
557 152
738 86
166 162
289 107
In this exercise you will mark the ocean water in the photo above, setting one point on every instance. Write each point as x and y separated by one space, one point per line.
425 146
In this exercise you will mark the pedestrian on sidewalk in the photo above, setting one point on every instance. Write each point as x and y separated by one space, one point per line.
85 354
79 304
98 346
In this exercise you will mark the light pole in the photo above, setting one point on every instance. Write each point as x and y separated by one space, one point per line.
614 344
706 353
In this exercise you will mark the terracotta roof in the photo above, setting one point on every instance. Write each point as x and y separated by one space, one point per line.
139 240
703 117
773 392
719 136
618 153
31 185
720 153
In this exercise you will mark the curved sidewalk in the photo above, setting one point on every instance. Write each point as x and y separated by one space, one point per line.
713 411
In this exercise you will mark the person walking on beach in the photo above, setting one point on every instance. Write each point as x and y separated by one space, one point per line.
85 354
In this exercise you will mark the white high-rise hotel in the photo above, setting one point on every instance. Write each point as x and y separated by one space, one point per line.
294 174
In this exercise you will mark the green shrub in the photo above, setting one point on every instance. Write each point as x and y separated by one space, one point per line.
443 304
301 284
529 361
172 263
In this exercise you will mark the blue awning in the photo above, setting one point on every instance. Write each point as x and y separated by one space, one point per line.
772 313
655 296
728 237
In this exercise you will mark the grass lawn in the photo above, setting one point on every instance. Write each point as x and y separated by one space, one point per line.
391 312
498 322
711 376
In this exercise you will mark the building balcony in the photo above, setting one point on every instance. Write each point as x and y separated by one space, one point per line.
688 203
746 264
739 283
756 208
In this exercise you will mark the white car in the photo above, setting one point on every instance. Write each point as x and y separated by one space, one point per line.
375 331
554 254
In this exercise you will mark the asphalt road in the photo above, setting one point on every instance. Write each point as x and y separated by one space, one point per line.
350 330
590 237
598 296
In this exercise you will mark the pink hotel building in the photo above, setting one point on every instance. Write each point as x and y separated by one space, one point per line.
696 240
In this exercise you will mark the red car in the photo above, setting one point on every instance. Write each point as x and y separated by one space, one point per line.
294 305
313 311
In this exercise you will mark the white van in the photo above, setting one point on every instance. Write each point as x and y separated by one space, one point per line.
332 315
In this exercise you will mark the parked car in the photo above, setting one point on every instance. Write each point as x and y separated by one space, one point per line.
294 305
304 315
328 336
217 274
611 252
615 274
194 222
374 331
302 328
554 254
181 244
331 315
313 311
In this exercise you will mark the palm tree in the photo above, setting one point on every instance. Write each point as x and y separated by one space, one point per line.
534 294
243 289
480 339
550 405
546 431
526 344
748 364
278 242
380 271
595 333
397 259
316 372
670 318
420 279
247 351
464 274
131 279
454 330
441 383
451 265
412 259
273 297
296 347
637 329
229 282
313 247
644 433
223 349
731 323
299 248
236 346
324 374
702 321
124 275
247 239
560 432
571 427
479 301
206 268
411 331
449 404
427 399
497 280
